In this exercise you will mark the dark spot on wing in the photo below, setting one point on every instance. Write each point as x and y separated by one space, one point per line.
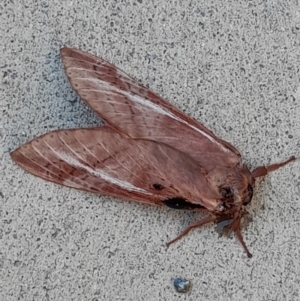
157 186
181 203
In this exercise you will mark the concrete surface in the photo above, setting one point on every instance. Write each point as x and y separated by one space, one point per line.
234 66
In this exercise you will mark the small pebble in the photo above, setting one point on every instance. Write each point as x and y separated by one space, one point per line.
182 285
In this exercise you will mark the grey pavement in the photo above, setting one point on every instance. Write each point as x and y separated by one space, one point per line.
232 65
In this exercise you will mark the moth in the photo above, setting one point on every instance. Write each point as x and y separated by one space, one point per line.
148 150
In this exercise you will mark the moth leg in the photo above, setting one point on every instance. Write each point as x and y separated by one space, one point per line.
261 171
235 226
241 240
200 223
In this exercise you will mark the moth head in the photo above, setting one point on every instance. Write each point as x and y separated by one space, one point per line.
237 191
232 199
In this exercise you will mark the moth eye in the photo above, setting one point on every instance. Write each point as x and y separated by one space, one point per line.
226 192
248 198
157 186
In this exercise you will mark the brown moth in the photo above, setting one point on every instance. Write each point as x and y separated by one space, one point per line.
148 150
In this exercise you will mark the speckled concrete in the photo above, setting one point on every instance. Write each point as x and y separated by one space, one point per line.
233 65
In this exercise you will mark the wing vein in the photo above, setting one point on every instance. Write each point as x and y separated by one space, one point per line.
51 172
64 159
71 149
151 163
36 163
115 158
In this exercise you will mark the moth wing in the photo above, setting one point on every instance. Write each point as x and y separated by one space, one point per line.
130 108
103 161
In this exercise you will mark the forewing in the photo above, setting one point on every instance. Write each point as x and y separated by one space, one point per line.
132 109
103 161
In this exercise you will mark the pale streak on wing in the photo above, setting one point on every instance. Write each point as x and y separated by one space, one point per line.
61 156
72 150
98 173
81 145
108 87
132 109
46 159
96 157
50 174
72 156
67 157
71 160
